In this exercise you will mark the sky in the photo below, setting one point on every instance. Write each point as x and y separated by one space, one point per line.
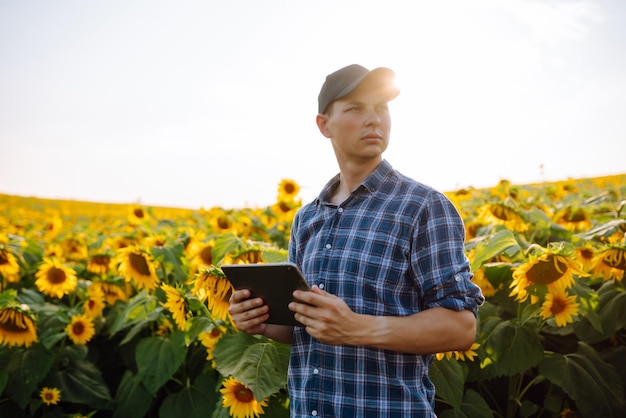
196 104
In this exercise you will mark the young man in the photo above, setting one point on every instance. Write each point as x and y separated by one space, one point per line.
384 255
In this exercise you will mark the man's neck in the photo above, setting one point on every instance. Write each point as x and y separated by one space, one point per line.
351 176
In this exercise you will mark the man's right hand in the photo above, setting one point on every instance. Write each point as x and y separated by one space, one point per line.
248 315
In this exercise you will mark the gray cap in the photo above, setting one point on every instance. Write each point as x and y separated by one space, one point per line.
342 82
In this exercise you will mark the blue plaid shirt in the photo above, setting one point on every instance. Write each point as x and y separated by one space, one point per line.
394 247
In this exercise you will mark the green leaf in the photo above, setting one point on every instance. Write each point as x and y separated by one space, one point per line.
4 378
26 369
196 326
224 244
275 255
611 314
80 381
604 230
493 246
612 307
448 378
259 363
171 257
593 384
193 401
51 326
474 406
510 349
132 398
138 312
158 358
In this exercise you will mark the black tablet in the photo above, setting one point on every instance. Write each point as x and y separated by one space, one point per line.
273 282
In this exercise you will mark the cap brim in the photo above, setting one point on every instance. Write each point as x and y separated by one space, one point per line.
381 79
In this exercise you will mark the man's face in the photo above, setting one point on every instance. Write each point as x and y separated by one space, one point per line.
358 126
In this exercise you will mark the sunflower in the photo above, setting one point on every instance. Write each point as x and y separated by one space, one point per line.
573 219
285 210
155 240
95 303
211 284
137 215
560 305
448 355
80 329
54 251
50 396
193 241
210 338
17 326
481 281
221 221
610 264
74 249
252 255
99 264
468 354
136 266
176 305
165 327
502 214
55 279
288 190
202 255
53 225
112 292
585 254
552 267
8 266
240 400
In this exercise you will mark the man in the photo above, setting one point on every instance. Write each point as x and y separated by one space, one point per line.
385 257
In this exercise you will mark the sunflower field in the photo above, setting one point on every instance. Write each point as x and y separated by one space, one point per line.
110 310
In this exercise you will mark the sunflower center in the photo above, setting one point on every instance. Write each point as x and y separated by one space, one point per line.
78 328
138 213
223 222
557 306
10 322
101 260
284 207
289 188
3 259
139 264
206 255
586 253
574 215
546 271
56 276
502 213
616 259
243 394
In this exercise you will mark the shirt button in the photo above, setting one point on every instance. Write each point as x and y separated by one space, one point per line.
321 286
328 246
340 210
316 371
457 278
314 413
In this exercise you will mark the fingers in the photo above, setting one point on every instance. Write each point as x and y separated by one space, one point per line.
248 315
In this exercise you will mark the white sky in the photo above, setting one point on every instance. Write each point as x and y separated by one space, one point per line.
211 103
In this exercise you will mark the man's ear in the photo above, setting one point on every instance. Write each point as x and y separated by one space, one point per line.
322 124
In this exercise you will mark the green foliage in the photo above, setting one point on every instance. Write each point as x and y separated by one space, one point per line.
142 362
259 363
